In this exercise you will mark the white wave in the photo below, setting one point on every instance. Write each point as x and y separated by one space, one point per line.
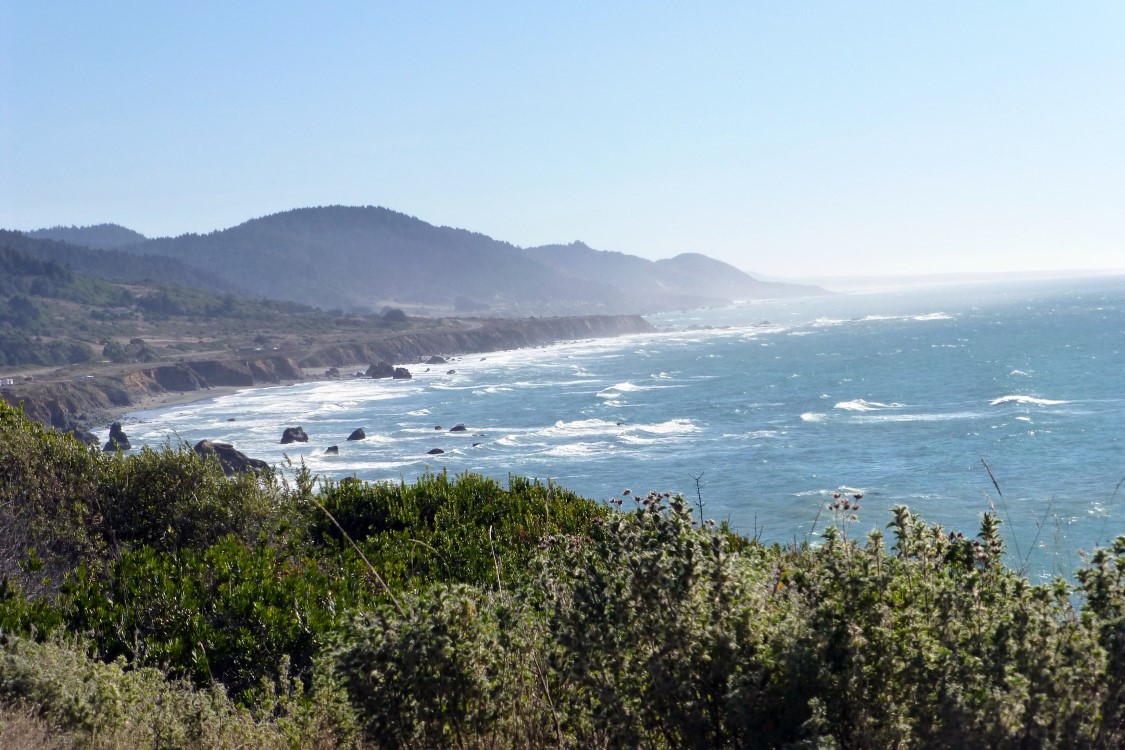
1020 373
671 427
812 417
933 316
579 450
624 387
418 413
491 389
581 427
925 417
1017 399
822 322
862 405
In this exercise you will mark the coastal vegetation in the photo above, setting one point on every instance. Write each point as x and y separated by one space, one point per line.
149 601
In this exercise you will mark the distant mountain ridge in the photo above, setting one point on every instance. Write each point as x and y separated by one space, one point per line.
98 236
350 257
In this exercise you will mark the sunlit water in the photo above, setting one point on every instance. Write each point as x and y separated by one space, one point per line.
776 406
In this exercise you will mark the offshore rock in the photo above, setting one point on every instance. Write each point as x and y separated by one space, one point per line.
434 452
294 435
117 439
357 434
232 461
436 360
401 373
458 428
381 370
332 450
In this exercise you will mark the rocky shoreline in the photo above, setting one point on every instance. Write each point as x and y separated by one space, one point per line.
79 403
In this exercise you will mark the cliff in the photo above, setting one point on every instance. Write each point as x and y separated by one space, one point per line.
89 400
482 336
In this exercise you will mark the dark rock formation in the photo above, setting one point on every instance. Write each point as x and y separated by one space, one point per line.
450 372
232 461
434 451
381 370
332 372
332 450
117 439
294 435
437 426
401 373
357 434
436 360
458 428
83 436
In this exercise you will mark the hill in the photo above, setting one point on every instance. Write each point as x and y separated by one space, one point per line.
687 280
357 258
117 265
99 236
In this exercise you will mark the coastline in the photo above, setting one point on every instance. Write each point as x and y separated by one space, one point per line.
76 402
168 399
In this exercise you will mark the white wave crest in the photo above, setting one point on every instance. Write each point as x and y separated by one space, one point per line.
581 427
1017 399
813 417
579 450
671 427
862 405
933 316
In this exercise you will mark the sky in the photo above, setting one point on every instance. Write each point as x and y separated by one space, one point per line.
787 138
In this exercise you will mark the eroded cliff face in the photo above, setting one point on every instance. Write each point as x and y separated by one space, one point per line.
88 400
485 336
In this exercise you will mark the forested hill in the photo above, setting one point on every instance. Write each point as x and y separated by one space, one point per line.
99 236
117 265
341 257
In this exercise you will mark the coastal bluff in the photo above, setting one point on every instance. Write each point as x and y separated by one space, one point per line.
479 336
68 402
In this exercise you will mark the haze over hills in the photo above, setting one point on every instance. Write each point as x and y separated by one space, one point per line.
356 258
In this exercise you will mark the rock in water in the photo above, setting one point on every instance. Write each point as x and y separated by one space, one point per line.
332 450
401 373
434 451
457 428
357 434
436 360
294 435
117 439
381 370
231 460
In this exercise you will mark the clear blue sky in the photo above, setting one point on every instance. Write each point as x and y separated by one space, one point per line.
788 138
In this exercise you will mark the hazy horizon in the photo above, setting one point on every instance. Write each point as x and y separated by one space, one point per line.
790 141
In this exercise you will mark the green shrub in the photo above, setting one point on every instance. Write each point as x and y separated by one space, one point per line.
468 530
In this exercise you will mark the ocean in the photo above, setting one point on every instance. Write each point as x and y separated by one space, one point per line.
763 410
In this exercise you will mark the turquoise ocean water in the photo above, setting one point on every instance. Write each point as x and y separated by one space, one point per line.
776 404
